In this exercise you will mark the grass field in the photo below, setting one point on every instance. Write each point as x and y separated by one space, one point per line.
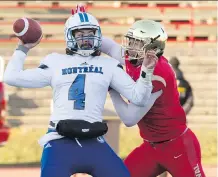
23 146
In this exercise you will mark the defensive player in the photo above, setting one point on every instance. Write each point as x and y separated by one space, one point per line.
80 80
169 145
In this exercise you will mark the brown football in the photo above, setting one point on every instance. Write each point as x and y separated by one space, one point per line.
27 30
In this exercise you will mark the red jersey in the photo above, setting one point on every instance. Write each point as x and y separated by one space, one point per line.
166 119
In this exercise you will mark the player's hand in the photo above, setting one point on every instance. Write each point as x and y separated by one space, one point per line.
150 59
30 45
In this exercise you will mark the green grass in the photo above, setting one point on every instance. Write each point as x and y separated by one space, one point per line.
23 146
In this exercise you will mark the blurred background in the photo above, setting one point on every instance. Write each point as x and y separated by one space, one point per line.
192 31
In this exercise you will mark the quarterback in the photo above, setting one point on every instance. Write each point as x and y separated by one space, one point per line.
169 145
80 80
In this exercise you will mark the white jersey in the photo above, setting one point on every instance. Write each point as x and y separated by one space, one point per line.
79 84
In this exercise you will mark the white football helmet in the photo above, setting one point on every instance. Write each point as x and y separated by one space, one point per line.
82 20
142 36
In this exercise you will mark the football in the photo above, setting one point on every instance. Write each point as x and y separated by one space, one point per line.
27 30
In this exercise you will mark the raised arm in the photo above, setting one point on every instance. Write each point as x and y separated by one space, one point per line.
30 78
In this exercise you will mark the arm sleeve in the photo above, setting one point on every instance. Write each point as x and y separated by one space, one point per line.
30 78
131 114
112 49
136 92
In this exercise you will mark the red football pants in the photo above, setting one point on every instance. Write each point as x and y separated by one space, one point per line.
180 157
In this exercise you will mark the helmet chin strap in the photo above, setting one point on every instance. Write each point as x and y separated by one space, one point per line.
85 53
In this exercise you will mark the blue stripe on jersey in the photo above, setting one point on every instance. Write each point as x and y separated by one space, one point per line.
81 17
86 17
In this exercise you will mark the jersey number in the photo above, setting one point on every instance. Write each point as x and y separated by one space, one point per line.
76 92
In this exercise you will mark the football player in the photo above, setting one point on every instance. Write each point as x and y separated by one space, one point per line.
80 80
168 144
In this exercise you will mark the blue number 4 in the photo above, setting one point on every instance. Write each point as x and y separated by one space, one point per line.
76 92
